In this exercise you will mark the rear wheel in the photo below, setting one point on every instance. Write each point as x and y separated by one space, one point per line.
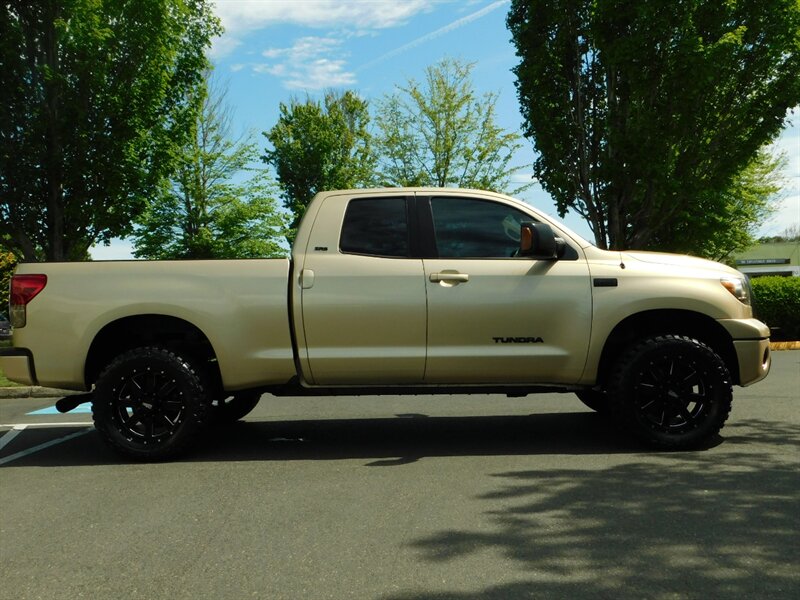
150 404
234 407
671 391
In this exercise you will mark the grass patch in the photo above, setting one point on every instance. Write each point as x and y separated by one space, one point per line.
6 383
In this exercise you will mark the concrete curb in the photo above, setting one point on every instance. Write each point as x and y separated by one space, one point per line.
784 345
34 392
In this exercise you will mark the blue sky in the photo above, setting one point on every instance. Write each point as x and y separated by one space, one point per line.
273 50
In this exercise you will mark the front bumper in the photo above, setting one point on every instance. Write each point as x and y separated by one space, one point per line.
754 360
751 343
17 365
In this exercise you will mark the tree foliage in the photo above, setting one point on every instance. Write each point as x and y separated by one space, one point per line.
789 234
8 263
318 146
216 205
95 100
729 224
647 115
441 133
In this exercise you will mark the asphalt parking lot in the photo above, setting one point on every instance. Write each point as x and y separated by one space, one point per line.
453 497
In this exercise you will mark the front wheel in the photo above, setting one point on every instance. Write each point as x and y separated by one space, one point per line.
671 391
150 403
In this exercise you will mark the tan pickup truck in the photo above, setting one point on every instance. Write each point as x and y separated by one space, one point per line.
392 291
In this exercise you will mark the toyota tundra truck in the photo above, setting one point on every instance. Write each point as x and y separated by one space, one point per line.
391 291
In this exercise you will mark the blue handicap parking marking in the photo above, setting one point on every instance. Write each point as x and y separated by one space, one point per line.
85 409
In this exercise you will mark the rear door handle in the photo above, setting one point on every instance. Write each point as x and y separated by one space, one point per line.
307 279
449 277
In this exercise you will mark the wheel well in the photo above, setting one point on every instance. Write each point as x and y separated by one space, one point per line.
151 330
659 322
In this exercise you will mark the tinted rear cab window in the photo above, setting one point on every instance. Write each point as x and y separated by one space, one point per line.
376 227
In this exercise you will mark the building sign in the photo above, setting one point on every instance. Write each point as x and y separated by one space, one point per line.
763 261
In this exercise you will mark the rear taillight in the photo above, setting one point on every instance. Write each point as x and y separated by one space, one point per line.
24 288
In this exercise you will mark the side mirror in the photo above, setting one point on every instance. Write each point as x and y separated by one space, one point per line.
537 240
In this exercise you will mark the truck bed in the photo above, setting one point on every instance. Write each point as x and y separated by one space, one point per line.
240 306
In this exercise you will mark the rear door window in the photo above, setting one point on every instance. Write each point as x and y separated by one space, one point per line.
376 227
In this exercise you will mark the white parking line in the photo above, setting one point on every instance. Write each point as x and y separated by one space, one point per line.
29 451
6 439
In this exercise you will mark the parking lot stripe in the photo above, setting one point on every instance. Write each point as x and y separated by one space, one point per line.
6 439
29 451
84 409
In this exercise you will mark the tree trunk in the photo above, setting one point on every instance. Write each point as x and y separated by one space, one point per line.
54 152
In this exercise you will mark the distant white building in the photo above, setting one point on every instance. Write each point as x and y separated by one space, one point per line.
780 259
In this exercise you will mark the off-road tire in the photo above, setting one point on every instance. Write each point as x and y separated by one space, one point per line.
233 407
671 391
150 404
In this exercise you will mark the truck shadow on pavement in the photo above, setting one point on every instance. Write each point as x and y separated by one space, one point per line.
721 524
381 441
410 437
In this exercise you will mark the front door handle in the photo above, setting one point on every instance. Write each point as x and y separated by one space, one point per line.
449 277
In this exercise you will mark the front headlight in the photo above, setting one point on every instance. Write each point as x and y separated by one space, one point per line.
739 287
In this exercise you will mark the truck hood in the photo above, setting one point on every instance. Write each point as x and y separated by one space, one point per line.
680 260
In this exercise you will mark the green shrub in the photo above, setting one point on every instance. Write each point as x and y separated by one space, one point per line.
776 301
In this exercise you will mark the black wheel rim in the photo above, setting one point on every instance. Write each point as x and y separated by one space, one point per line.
673 393
148 406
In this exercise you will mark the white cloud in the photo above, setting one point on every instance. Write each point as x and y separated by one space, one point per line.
786 215
119 249
276 70
438 33
274 52
317 62
241 16
787 209
523 178
222 46
311 63
319 74
305 48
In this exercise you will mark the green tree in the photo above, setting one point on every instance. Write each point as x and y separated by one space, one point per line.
318 146
94 104
730 222
216 205
790 234
441 133
8 263
647 115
